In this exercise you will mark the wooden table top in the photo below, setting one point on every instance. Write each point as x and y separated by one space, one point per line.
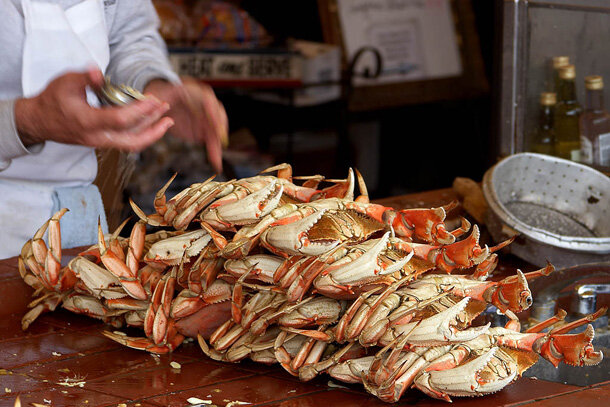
62 348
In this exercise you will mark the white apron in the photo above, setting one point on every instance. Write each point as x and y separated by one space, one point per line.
32 187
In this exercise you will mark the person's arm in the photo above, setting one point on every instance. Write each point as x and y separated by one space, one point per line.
11 145
61 113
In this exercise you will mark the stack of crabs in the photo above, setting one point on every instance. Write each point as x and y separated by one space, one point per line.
279 270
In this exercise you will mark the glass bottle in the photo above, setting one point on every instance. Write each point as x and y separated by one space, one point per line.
567 113
595 125
558 63
543 141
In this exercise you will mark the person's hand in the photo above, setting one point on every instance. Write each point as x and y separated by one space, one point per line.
61 114
198 114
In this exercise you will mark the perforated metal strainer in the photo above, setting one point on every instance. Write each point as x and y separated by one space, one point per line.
560 209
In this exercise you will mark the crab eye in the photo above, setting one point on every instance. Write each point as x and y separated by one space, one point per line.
528 300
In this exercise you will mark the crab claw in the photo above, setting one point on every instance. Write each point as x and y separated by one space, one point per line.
439 329
160 199
292 238
467 252
465 380
153 220
513 294
247 210
573 349
284 171
117 266
463 254
343 189
424 224
172 250
364 269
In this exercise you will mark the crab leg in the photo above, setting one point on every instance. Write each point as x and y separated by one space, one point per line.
146 344
47 302
348 316
426 224
228 339
353 330
304 354
28 257
162 313
160 199
136 247
250 344
343 189
53 256
289 315
556 346
129 281
579 322
312 369
560 316
301 265
382 369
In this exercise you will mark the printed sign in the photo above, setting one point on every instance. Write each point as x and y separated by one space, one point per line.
229 66
415 38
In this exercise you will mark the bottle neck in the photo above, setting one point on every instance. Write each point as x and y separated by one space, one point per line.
567 90
595 99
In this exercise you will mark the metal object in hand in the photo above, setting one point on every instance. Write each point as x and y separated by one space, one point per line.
117 95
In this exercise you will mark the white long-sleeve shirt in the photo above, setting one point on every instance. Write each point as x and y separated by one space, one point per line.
137 55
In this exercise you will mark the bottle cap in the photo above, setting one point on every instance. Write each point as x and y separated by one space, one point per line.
560 61
548 98
567 72
594 82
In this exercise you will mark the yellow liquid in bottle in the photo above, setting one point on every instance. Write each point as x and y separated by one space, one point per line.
567 131
567 114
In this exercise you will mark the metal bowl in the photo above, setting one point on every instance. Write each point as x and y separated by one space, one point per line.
560 209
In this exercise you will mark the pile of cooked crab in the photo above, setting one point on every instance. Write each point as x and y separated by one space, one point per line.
298 271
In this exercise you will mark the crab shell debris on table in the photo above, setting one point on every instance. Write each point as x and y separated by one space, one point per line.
278 269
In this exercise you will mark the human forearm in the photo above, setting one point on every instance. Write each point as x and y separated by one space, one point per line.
60 113
11 143
26 121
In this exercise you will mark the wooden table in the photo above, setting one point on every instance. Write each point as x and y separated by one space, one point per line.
62 345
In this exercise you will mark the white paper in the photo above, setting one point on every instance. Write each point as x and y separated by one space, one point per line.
415 38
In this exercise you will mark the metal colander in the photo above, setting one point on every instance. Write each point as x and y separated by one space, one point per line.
560 209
